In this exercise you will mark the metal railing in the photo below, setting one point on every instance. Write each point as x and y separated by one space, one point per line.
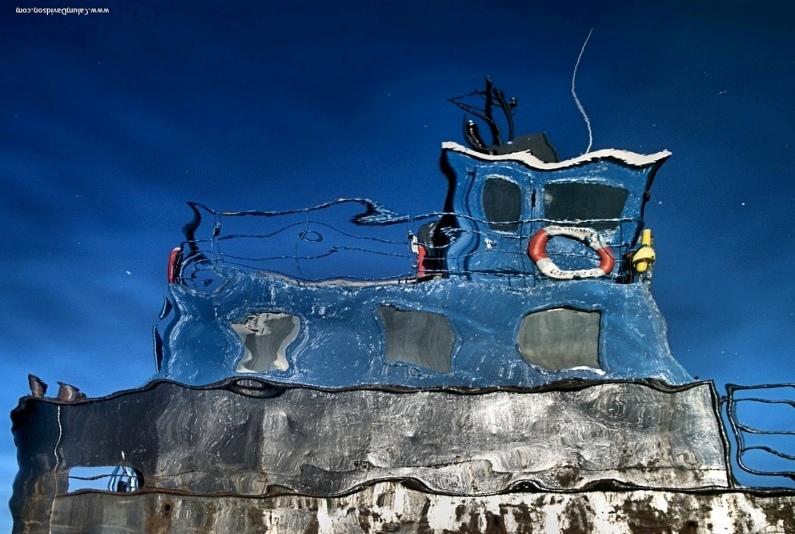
761 419
357 239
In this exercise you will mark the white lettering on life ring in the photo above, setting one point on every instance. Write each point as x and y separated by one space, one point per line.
536 249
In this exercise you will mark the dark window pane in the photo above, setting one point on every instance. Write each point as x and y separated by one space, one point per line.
422 338
502 204
560 339
579 204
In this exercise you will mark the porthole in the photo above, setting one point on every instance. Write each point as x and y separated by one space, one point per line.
266 337
422 338
560 338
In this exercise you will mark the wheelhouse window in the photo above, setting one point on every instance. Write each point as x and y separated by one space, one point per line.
266 337
596 206
560 338
422 338
502 204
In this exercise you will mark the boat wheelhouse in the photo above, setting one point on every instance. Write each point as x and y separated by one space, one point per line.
505 291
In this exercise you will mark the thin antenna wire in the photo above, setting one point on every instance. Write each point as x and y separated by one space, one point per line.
577 100
55 469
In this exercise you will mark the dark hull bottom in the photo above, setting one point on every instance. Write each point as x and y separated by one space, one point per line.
213 458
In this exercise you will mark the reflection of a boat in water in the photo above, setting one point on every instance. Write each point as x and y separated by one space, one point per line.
527 278
504 367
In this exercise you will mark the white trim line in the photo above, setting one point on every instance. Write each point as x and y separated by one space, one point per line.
630 158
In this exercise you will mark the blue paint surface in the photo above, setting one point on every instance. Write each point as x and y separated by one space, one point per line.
342 341
489 286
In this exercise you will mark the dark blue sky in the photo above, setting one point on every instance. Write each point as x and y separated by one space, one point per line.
110 123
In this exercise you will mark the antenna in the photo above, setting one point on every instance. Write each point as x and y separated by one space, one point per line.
493 98
577 100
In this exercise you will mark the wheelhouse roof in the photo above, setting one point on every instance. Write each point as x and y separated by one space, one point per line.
624 156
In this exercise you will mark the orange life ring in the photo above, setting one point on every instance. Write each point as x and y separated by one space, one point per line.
536 249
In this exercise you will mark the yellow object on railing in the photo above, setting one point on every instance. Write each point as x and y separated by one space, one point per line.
645 256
